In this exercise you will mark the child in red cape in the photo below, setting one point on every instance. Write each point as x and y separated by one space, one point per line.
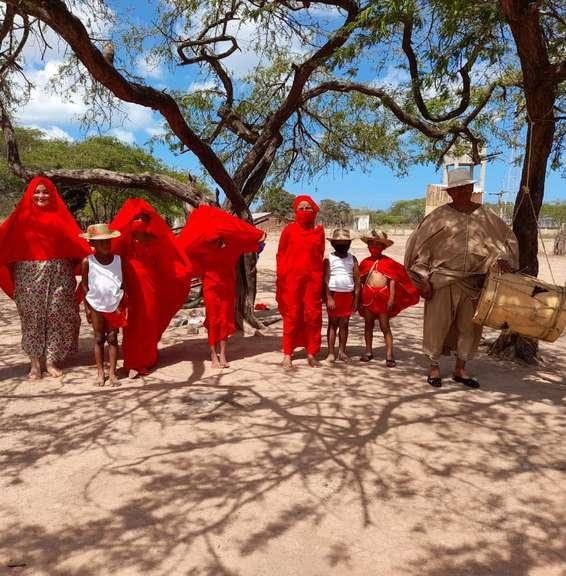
39 249
300 274
158 278
213 241
386 290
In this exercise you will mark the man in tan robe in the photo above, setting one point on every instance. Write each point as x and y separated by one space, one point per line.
448 257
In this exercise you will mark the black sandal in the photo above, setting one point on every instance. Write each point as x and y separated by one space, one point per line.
469 382
366 358
435 382
390 362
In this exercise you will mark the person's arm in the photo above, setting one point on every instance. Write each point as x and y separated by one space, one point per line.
329 300
84 284
123 286
84 275
392 290
357 283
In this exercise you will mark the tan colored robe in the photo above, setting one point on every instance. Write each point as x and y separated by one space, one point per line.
454 251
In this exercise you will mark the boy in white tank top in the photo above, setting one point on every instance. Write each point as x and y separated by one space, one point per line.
103 286
342 287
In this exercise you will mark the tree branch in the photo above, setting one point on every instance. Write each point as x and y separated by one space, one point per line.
56 14
158 184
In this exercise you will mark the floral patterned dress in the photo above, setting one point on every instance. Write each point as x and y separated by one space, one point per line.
49 312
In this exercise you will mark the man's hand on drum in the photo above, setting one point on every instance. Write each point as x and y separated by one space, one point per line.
502 266
425 288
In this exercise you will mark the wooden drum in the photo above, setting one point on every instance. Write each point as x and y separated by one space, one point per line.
524 304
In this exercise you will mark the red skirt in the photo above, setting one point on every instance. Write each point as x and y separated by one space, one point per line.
344 302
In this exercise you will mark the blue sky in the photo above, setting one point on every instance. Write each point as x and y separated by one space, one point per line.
376 188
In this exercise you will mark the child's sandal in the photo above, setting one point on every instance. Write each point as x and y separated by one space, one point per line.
366 358
390 363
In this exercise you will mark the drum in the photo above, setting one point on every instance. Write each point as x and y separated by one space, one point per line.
523 304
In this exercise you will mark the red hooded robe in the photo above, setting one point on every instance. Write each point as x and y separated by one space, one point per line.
300 273
213 241
375 299
38 233
157 281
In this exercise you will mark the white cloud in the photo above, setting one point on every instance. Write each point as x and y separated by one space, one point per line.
125 136
147 68
203 85
53 132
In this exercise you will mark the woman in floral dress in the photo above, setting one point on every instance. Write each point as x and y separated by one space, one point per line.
39 249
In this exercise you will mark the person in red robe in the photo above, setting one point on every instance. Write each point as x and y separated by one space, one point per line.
39 250
386 290
213 241
300 274
158 277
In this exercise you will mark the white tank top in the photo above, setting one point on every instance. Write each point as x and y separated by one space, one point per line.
341 273
104 281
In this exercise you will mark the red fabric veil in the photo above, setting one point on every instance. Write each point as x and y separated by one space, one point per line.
39 233
157 281
213 241
406 294
300 272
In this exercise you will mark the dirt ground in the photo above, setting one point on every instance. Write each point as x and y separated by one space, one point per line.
343 470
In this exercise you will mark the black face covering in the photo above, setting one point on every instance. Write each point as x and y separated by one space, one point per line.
341 247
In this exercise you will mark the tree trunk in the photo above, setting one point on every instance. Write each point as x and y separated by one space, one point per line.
539 87
246 288
559 248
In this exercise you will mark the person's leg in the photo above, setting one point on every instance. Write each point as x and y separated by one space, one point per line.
331 337
99 339
439 315
112 341
312 318
343 326
35 370
469 335
214 356
369 323
388 337
223 360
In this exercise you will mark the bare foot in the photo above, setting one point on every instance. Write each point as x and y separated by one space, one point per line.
215 362
52 370
313 362
113 380
343 357
331 358
34 374
287 363
224 362
100 379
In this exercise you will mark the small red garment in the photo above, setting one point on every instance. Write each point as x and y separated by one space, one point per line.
344 302
39 233
213 241
157 281
119 318
375 299
300 273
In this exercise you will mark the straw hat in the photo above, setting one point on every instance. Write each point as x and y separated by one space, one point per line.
377 238
340 235
99 232
458 177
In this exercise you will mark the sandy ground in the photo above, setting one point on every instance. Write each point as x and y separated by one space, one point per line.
343 470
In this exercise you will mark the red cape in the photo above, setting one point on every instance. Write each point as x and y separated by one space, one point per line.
157 282
34 233
213 241
406 294
300 272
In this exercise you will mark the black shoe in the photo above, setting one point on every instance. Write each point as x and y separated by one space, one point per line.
436 382
469 382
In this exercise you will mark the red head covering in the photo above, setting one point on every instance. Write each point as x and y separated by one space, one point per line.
305 198
32 232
